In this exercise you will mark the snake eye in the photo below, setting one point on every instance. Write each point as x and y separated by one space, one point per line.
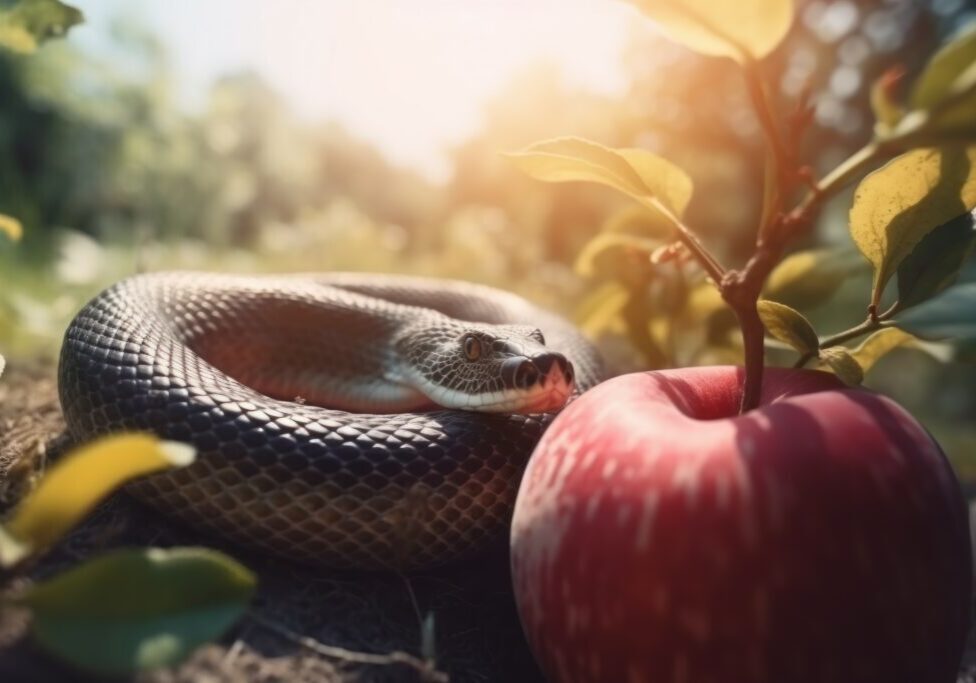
472 347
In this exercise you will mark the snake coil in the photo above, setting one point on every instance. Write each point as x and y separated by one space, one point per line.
184 354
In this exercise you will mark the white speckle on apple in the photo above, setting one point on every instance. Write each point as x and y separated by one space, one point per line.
608 469
589 458
591 506
646 521
686 477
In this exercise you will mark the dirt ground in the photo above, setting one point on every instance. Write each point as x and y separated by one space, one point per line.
305 624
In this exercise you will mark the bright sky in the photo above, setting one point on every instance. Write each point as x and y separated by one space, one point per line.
410 76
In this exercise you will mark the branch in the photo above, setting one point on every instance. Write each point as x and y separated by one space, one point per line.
691 241
870 324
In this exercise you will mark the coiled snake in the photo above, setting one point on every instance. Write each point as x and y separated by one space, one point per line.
318 405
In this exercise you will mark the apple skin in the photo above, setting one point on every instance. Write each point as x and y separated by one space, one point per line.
660 538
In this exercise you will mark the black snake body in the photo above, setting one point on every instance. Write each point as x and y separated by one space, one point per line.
222 362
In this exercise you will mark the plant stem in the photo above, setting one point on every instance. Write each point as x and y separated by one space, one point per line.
687 237
870 324
842 175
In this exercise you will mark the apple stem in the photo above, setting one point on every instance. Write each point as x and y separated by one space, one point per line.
741 290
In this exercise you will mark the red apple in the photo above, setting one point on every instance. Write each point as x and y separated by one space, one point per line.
660 538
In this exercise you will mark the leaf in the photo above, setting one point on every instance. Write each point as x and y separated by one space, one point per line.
601 308
950 72
887 111
809 278
637 173
950 315
11 227
604 252
934 264
132 610
904 200
843 364
879 344
28 23
76 484
641 221
789 326
742 30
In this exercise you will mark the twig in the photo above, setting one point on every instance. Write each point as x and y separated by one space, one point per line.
427 672
687 237
870 324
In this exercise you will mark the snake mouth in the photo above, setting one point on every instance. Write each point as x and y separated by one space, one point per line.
540 384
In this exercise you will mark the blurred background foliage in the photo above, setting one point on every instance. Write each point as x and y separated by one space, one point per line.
110 175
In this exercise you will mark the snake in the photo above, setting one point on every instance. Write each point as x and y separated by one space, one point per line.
347 420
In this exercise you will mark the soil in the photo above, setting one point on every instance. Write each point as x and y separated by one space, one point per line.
306 624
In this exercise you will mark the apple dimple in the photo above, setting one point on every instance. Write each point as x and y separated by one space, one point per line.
667 538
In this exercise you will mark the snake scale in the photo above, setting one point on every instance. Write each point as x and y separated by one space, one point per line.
311 442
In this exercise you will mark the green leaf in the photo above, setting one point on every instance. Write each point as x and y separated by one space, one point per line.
77 483
132 610
843 364
950 315
951 72
789 326
900 203
742 30
809 278
28 23
933 265
11 227
879 344
637 173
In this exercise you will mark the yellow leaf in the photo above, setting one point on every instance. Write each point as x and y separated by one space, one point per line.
639 220
843 364
16 38
806 279
637 173
789 326
904 200
76 484
742 30
601 308
887 111
27 23
878 344
588 263
11 227
704 300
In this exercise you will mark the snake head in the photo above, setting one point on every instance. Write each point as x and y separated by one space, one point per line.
485 368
